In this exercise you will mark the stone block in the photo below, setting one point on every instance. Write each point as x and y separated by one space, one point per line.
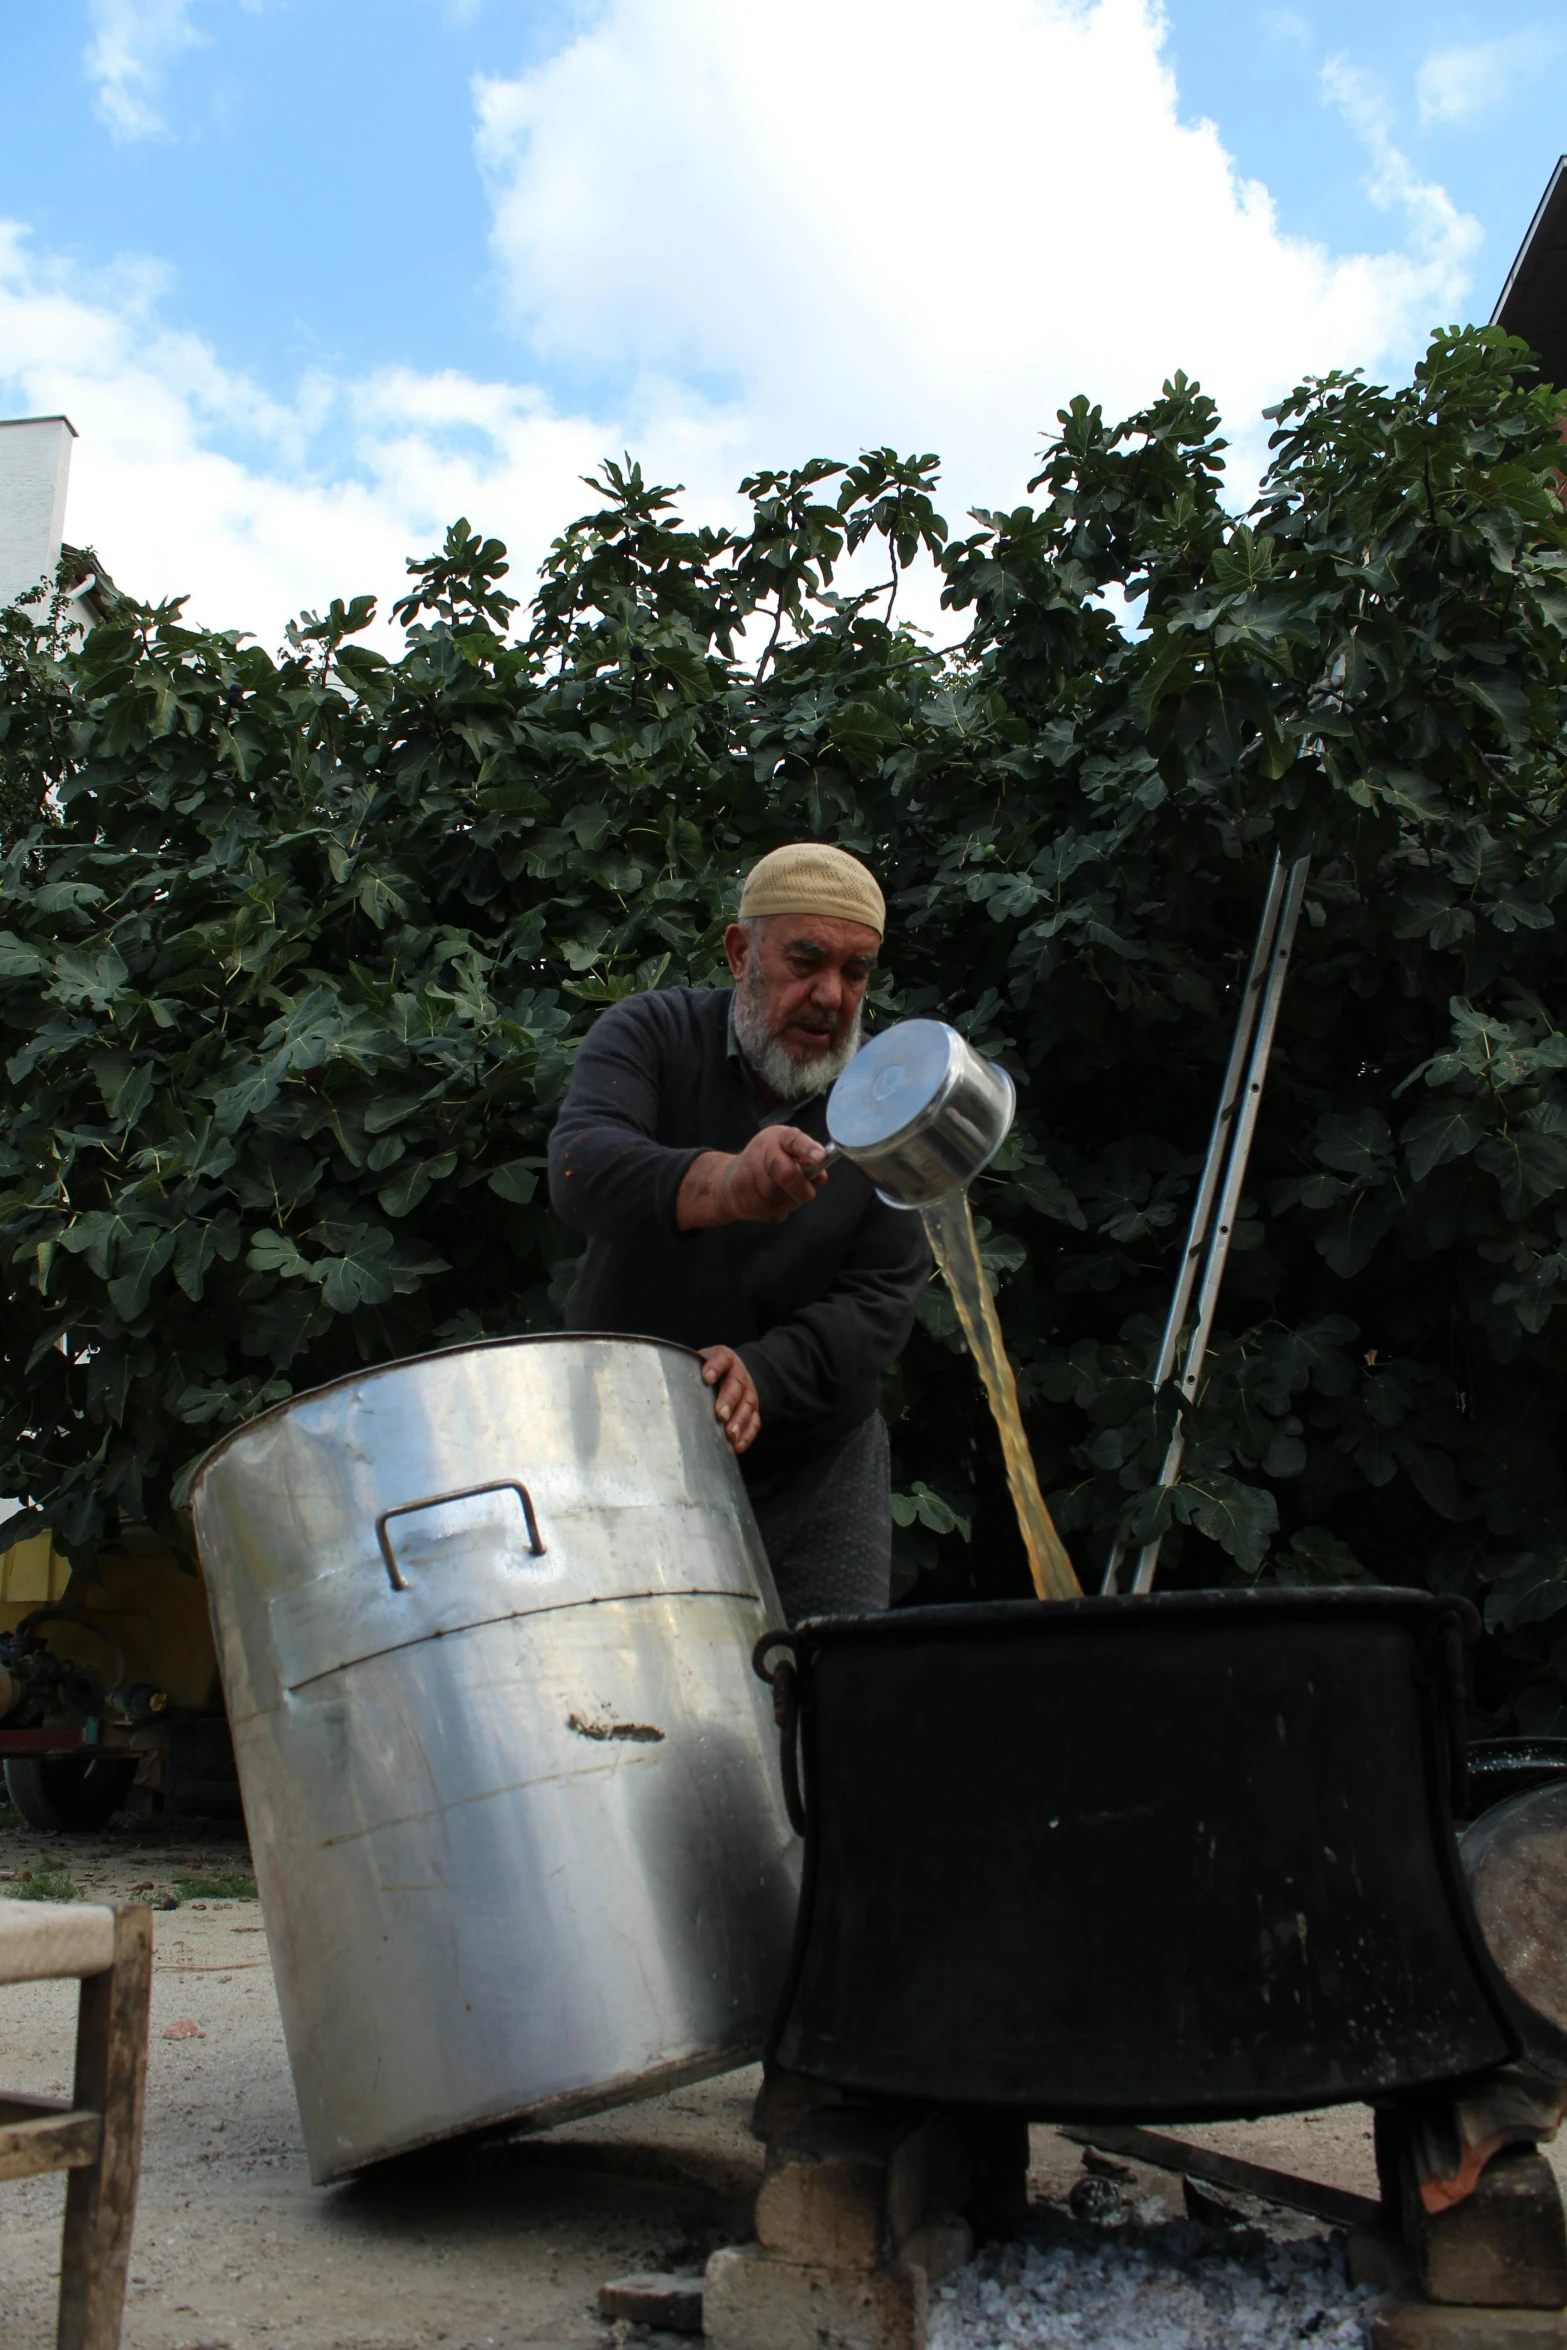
674 2304
1504 2246
846 2189
786 2098
751 2300
1400 2324
938 2246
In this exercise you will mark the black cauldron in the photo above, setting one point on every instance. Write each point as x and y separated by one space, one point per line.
1180 1857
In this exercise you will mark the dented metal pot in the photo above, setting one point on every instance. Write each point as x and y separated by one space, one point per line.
485 1622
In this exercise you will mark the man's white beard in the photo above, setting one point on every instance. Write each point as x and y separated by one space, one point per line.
790 1079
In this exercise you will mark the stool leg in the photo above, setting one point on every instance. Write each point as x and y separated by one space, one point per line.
111 2080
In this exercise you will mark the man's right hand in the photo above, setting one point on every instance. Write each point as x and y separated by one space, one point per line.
779 1170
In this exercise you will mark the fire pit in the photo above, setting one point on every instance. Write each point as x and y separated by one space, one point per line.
1178 1857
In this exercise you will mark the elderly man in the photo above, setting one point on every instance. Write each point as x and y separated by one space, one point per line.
690 1150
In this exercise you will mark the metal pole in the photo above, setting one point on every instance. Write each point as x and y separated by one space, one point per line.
1229 1198
1218 1140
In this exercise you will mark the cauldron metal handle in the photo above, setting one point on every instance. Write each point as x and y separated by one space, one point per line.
784 1681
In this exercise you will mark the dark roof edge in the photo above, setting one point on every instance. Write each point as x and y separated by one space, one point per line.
92 585
57 418
1540 211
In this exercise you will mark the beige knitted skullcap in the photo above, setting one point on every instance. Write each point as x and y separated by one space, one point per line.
810 877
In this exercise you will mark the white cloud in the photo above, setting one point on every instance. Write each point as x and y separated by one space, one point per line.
1441 238
1459 83
187 477
134 42
973 214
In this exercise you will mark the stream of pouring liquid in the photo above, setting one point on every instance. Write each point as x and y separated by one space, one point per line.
951 1230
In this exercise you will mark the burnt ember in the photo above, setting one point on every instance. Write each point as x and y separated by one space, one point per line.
1176 2285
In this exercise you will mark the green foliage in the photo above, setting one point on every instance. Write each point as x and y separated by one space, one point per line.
35 703
293 976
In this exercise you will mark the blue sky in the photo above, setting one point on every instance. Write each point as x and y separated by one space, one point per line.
1485 119
311 275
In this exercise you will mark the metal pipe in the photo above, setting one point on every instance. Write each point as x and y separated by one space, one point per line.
1245 1126
1218 1141
1335 2204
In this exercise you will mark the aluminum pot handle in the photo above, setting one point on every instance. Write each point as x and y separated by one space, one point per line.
784 1680
432 1501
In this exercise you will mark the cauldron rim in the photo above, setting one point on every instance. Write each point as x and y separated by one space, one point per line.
1168 1607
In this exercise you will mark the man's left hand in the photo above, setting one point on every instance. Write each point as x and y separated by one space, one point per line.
739 1413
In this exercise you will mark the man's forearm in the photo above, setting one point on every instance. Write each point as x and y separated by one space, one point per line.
698 1202
779 1170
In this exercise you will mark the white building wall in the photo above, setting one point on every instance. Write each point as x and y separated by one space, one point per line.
35 467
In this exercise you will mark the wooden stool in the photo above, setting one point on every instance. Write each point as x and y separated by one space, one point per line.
97 2137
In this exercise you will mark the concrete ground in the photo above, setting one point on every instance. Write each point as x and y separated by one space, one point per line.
467 2246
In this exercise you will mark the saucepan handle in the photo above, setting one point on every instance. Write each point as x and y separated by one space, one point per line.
782 1677
431 1501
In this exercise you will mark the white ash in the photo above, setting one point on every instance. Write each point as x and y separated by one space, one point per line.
1179 2286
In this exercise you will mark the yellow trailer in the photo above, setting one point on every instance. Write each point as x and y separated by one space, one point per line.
109 1689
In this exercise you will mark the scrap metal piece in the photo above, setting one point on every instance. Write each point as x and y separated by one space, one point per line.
672 2304
1515 1859
1335 2204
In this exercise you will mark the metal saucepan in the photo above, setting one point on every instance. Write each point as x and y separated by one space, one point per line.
919 1112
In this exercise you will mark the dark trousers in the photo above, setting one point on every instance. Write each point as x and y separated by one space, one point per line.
827 1527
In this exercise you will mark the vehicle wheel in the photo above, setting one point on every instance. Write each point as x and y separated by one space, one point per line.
67 1790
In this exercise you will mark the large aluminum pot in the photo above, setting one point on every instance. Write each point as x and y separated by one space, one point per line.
920 1112
485 1621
